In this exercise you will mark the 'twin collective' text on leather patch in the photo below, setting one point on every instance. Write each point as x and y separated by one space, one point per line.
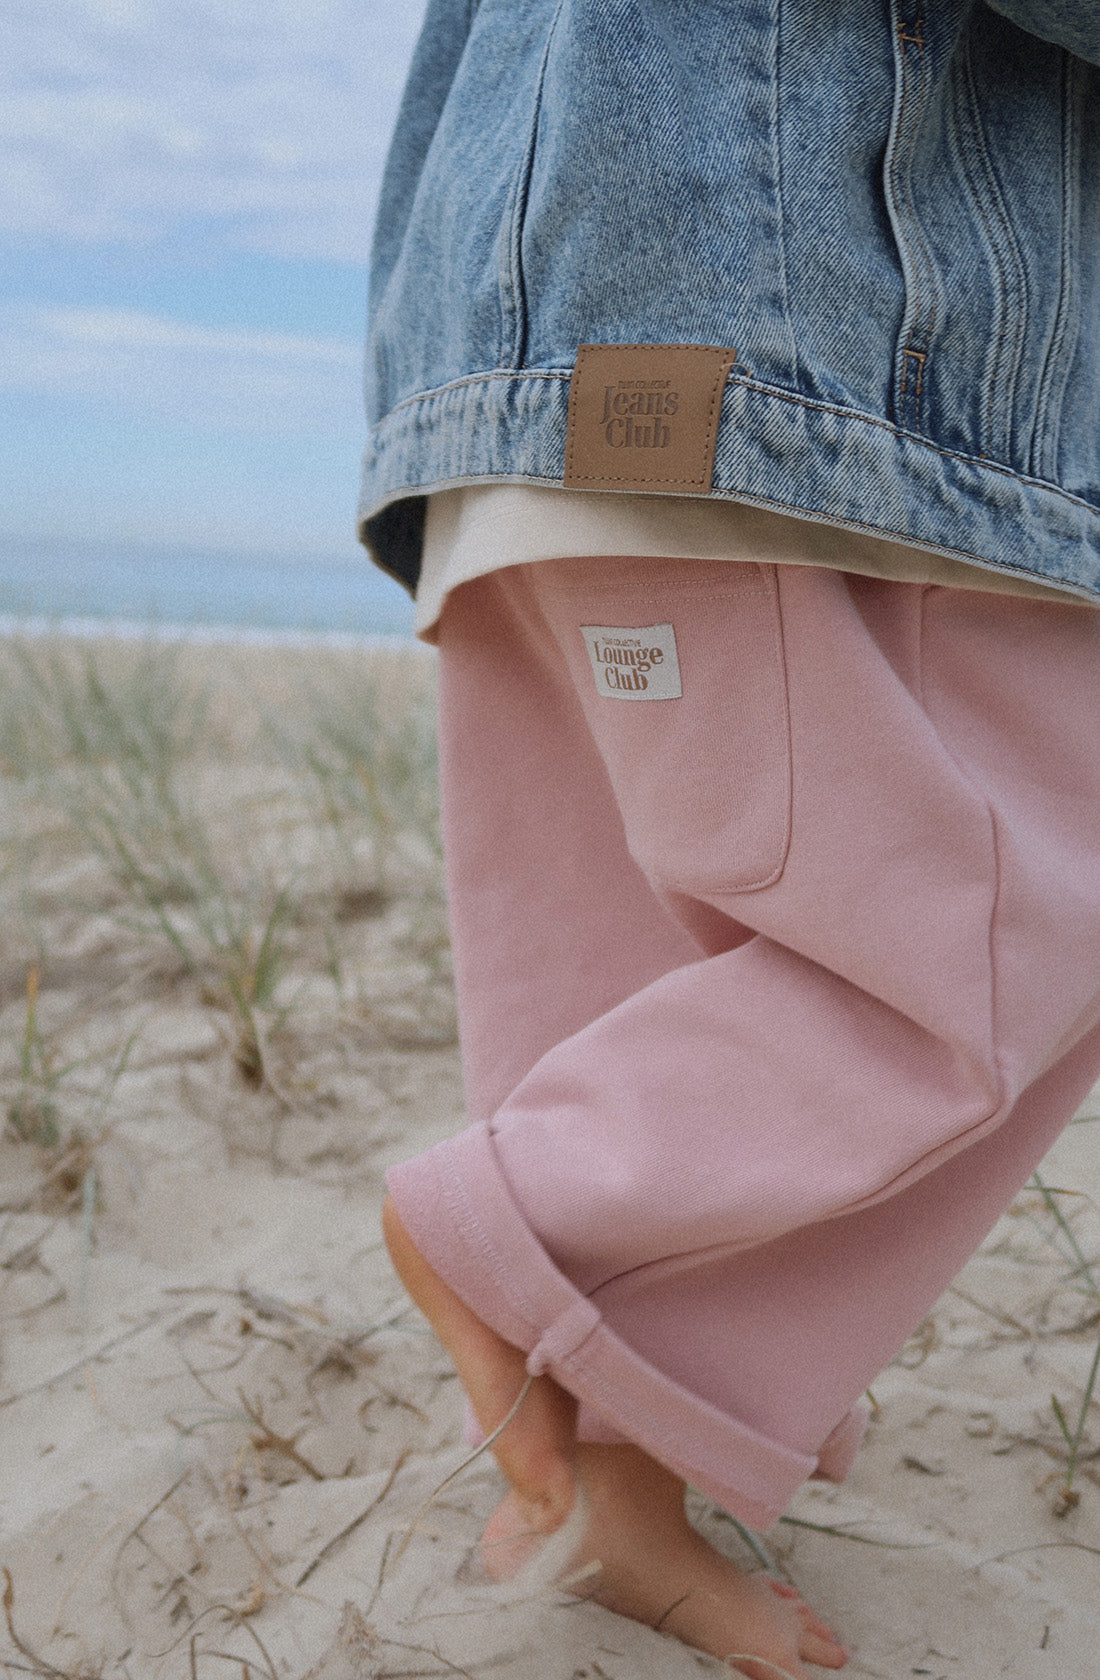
638 664
645 416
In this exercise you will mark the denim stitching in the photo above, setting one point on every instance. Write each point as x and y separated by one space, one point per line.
513 292
1062 338
1014 290
1019 267
909 232
984 440
903 39
813 404
777 164
918 41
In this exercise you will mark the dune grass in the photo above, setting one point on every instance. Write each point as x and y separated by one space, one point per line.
121 707
235 838
371 781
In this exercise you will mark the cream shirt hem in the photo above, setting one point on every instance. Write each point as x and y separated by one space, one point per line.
480 528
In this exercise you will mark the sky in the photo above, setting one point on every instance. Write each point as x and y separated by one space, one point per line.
186 194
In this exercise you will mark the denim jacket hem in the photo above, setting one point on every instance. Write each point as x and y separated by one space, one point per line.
775 449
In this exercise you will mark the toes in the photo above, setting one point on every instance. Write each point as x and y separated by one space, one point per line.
828 1652
812 1624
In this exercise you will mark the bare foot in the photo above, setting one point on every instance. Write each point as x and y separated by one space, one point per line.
653 1566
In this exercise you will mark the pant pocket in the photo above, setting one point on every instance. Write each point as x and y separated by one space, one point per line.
679 668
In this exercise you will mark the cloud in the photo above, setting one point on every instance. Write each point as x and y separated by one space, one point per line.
212 379
265 120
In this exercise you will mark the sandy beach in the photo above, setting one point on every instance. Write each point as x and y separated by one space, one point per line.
227 1007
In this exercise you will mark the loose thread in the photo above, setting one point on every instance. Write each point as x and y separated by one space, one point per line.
459 1468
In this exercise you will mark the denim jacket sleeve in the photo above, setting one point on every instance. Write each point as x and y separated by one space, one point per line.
1074 24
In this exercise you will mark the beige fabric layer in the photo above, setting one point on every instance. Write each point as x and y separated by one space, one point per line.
480 528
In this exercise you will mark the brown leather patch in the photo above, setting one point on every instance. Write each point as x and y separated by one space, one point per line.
645 416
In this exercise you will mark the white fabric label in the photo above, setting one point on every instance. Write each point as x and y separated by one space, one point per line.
634 664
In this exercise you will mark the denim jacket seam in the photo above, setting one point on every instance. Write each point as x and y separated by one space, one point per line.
920 439
996 348
915 336
513 291
1014 284
781 220
482 378
1051 386
851 414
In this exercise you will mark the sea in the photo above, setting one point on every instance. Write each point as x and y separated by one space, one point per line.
91 587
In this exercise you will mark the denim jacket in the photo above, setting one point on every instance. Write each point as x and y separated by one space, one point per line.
890 209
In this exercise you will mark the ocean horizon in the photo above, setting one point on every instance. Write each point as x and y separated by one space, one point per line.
140 588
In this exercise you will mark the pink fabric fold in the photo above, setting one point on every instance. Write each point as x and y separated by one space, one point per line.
460 1213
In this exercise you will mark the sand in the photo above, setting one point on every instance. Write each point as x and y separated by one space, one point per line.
225 1008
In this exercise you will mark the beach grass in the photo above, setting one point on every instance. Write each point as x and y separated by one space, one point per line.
231 835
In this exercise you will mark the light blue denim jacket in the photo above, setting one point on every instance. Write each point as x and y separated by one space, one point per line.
890 207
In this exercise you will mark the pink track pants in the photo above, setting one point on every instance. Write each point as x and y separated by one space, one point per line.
772 994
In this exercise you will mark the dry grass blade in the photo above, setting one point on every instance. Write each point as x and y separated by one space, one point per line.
1075 1436
1042 1546
267 1438
859 1539
32 1114
430 1651
459 1468
135 1532
1050 1195
349 1528
245 1664
996 1313
751 1540
38 1664
237 1621
665 1614
79 1364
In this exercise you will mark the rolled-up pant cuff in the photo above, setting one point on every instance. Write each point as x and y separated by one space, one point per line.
457 1207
